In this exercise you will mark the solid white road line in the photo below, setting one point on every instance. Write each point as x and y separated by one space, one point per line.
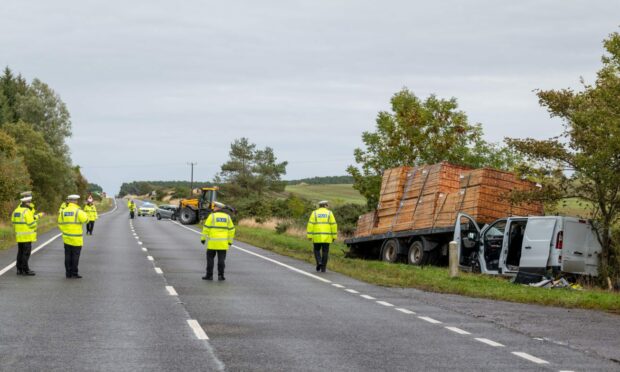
11 265
171 290
458 330
150 258
405 310
430 320
158 270
144 249
198 331
268 259
489 342
368 297
351 290
337 285
384 303
529 357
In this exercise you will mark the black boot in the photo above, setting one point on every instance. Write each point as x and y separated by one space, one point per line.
221 277
20 272
28 273
207 277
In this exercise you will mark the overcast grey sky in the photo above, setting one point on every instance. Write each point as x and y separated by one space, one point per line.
152 85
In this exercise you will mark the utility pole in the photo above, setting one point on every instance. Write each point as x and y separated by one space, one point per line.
191 183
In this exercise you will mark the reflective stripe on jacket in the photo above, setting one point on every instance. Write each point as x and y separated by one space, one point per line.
218 231
322 227
91 210
70 222
25 224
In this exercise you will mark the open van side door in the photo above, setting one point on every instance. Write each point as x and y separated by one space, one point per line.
467 238
537 244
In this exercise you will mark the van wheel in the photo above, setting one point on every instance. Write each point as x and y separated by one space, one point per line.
158 216
416 255
389 253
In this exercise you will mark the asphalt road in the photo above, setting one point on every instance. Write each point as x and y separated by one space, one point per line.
143 306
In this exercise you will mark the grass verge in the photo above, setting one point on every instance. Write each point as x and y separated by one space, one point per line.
432 279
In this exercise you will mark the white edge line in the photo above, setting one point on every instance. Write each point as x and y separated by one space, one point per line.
430 320
406 311
158 270
10 266
144 249
337 285
269 259
198 331
458 330
368 297
140 243
489 342
150 258
529 357
171 290
351 290
384 303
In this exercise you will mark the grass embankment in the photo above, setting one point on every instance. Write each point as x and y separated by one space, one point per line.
336 193
433 279
47 223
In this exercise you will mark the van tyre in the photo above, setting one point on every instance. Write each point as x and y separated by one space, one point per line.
389 253
417 255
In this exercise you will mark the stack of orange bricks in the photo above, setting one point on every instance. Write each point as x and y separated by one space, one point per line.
431 196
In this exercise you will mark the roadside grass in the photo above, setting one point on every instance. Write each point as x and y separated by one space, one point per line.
428 278
47 223
336 193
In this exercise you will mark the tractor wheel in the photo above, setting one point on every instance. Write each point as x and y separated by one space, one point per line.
187 216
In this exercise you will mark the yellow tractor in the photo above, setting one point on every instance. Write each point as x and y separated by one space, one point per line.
191 211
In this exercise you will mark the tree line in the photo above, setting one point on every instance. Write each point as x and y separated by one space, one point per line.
34 124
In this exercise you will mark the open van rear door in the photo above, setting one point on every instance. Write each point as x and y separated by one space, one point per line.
467 238
537 244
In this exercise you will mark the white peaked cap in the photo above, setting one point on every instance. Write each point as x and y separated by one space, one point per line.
323 202
219 205
26 199
26 193
73 197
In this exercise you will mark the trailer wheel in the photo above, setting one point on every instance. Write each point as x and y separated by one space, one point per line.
417 255
389 253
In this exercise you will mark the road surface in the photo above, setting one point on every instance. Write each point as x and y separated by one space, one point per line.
141 305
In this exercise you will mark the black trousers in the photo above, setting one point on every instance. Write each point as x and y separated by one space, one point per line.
89 227
131 214
72 259
221 261
23 255
321 253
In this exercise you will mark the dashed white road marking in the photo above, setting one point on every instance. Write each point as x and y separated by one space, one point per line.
458 330
268 259
406 311
368 297
351 290
489 342
385 303
150 258
198 331
430 320
337 285
158 270
140 243
11 265
144 249
171 290
529 357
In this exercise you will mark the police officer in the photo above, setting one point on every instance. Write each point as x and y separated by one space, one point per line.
218 232
132 208
70 222
322 230
91 210
25 224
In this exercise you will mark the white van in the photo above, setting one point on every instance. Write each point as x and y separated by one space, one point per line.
535 244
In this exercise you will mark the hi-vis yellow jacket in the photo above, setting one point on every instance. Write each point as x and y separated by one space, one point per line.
70 222
131 206
322 227
91 210
218 231
25 224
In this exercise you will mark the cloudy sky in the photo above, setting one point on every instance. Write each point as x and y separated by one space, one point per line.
152 85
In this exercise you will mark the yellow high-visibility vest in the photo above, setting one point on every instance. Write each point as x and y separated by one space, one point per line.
70 222
322 226
218 231
91 210
24 224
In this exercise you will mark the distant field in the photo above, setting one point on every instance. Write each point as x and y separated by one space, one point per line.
336 194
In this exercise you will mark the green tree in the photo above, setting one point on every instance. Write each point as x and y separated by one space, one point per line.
584 160
11 87
14 175
421 132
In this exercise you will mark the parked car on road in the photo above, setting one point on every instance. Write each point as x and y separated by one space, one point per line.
166 211
146 209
